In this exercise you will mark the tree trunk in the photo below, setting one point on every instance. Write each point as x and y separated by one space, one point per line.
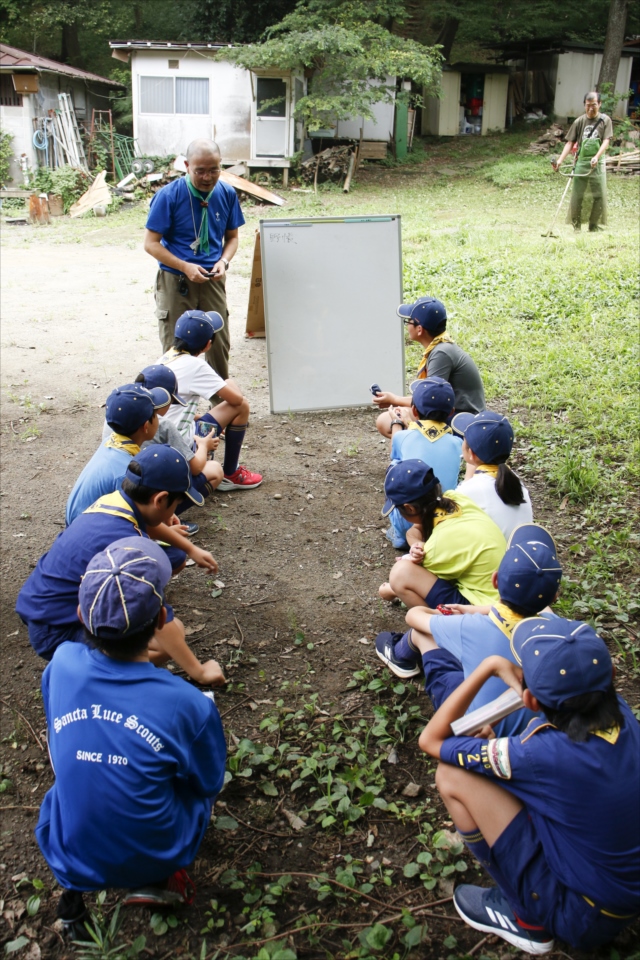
71 52
447 35
613 43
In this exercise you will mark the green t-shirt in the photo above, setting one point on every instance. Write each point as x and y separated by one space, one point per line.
466 548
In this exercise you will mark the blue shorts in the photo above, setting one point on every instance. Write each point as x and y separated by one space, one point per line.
443 591
518 865
45 638
443 674
176 556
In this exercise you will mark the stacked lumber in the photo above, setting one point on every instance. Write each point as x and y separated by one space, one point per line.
548 140
628 163
330 164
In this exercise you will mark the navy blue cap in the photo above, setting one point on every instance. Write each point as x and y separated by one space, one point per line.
130 406
164 468
529 574
426 311
432 395
407 481
196 327
489 435
159 375
122 589
561 659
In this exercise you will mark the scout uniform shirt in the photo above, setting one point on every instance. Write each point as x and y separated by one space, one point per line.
103 474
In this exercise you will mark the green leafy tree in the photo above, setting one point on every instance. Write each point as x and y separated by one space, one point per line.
346 45
233 21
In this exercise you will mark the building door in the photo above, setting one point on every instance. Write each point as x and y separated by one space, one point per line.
271 124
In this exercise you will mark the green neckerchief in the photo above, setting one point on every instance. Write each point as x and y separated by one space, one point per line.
201 242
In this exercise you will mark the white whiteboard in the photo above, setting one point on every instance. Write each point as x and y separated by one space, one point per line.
331 290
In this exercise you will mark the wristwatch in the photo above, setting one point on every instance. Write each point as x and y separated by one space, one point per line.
226 263
399 422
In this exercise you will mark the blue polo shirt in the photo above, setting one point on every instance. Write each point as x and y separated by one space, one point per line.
442 455
583 800
471 638
176 214
139 756
103 474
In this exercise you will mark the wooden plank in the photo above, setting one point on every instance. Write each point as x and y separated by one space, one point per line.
97 194
373 150
239 183
255 310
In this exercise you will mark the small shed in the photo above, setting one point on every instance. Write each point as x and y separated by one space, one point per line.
473 100
29 88
554 76
181 92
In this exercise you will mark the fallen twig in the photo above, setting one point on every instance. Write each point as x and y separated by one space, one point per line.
475 949
22 716
18 806
239 631
254 603
235 706
267 833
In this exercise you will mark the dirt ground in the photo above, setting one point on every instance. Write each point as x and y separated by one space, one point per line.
301 559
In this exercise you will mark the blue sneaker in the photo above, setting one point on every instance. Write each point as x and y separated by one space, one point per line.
398 543
385 648
486 909
190 528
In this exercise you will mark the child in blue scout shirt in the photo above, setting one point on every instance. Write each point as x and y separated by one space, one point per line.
423 433
132 416
461 546
195 331
489 482
138 754
155 482
426 322
552 814
451 647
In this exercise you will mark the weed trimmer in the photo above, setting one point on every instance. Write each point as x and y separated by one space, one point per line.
570 177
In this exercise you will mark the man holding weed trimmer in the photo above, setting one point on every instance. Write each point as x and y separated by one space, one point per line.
588 137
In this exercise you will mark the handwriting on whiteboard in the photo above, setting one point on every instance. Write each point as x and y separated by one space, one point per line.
282 238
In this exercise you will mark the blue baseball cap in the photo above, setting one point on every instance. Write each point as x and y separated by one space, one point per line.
432 395
196 327
130 406
426 311
163 468
530 573
158 375
561 659
489 435
407 481
122 589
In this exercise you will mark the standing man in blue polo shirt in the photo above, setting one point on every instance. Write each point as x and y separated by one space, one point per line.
192 231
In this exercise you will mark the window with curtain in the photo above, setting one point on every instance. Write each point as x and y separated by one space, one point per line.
192 95
156 95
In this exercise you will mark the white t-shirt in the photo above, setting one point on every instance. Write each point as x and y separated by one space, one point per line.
481 488
196 380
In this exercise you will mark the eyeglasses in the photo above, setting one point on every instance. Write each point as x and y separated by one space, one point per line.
410 323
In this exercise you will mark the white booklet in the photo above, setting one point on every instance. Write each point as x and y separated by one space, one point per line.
508 702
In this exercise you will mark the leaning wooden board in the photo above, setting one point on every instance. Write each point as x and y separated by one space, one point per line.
239 183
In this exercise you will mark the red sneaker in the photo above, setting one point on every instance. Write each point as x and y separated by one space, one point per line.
242 479
180 888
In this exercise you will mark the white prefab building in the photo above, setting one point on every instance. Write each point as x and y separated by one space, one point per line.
181 92
473 99
29 88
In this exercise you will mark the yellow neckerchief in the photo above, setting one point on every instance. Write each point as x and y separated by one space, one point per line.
490 468
115 505
441 338
118 441
172 353
611 735
430 429
442 514
504 618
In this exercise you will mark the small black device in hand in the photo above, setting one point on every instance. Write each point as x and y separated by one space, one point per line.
375 389
204 428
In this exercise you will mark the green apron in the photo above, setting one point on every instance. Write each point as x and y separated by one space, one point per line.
592 181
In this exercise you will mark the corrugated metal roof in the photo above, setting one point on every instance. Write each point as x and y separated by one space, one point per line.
13 59
168 45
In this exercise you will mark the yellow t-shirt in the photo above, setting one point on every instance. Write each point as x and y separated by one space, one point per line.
466 548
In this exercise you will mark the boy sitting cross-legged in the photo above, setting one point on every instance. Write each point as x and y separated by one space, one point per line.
155 483
138 754
451 647
552 814
194 334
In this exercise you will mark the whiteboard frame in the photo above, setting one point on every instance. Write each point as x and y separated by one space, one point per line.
310 221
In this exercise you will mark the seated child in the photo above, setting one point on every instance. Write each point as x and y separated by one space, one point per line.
194 334
132 418
552 814
451 647
155 482
426 322
206 473
488 439
462 546
423 433
138 753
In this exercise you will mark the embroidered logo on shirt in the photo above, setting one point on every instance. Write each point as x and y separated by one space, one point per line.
498 755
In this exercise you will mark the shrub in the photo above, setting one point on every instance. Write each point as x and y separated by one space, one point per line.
6 155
